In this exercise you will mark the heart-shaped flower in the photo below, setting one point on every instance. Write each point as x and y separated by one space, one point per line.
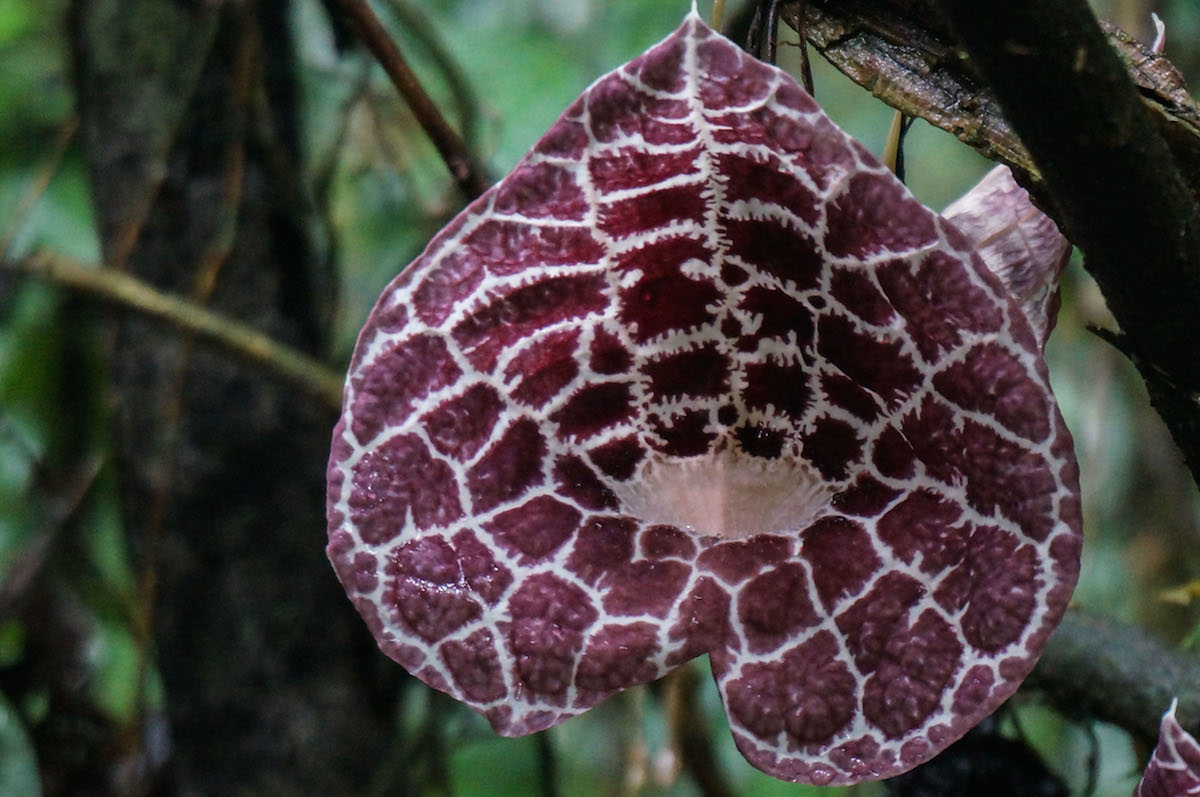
701 377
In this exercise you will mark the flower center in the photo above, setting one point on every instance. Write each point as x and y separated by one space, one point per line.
728 494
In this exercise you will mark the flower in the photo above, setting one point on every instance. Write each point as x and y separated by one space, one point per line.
701 377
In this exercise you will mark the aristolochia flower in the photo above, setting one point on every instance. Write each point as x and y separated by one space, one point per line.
1174 769
701 377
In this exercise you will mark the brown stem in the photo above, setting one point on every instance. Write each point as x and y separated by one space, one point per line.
235 337
464 168
1096 668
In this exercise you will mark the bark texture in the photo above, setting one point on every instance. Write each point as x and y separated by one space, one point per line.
189 120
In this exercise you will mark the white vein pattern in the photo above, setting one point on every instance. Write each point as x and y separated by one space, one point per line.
699 376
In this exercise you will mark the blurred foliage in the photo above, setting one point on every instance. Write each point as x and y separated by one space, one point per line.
504 71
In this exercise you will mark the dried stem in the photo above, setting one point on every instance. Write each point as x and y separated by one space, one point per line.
235 337
463 166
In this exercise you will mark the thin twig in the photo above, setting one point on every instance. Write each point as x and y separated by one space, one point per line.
283 362
463 166
465 100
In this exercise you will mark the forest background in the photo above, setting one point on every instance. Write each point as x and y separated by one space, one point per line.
168 621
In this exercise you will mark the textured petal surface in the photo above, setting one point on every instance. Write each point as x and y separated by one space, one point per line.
1174 769
700 376
1017 242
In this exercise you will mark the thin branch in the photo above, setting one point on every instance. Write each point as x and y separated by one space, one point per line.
463 166
282 362
1096 668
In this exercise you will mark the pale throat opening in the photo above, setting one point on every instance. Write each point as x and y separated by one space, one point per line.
728 494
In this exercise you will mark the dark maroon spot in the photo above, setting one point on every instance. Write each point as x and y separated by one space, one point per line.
566 139
541 190
932 435
630 167
733 275
792 96
809 693
915 669
924 523
772 247
684 434
992 381
663 298
661 542
399 480
703 621
998 582
580 483
867 497
779 317
536 528
442 288
618 458
514 316
617 657
604 544
701 372
893 455
730 83
733 562
460 426
644 588
975 687
509 247
548 619
775 606
425 589
875 619
616 109
483 573
875 362
1002 475
841 391
387 390
662 67
780 385
653 210
832 446
842 558
474 665
853 288
728 415
592 409
760 441
874 215
543 368
608 354
509 468
938 301
747 179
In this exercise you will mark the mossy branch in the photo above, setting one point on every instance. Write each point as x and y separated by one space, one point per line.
115 287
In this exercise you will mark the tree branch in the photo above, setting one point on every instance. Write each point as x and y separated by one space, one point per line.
463 166
1095 149
282 362
1096 668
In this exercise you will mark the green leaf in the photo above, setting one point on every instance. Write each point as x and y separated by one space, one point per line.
18 762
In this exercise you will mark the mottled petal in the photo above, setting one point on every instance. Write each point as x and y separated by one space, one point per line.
701 377
1174 769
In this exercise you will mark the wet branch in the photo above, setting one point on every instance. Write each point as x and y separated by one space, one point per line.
116 287
463 166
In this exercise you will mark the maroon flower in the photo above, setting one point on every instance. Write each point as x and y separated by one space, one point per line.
701 377
1174 769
